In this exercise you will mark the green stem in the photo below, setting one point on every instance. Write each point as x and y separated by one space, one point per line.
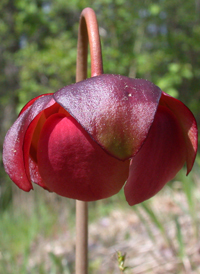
88 31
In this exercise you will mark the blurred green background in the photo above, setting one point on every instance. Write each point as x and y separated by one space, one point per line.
157 40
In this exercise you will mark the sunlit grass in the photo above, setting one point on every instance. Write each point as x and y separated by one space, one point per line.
25 227
18 230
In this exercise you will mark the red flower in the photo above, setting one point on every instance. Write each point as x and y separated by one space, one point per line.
88 138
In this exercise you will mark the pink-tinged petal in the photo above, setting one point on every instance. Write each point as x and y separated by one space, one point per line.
35 175
71 164
160 158
31 102
115 110
188 124
31 139
13 157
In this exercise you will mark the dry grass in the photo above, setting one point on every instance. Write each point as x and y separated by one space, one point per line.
168 245
157 237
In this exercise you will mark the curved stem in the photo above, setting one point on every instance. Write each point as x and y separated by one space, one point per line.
88 31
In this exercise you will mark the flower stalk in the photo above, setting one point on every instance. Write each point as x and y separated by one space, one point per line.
88 32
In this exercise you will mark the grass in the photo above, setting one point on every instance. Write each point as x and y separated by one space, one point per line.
17 232
167 227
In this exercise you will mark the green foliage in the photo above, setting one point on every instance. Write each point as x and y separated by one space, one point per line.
159 41
58 266
46 70
17 232
121 261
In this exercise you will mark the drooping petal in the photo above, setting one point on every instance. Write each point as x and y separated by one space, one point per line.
71 164
115 110
34 174
188 124
160 158
31 102
13 157
31 141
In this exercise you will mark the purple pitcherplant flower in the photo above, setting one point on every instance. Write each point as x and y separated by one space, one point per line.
87 139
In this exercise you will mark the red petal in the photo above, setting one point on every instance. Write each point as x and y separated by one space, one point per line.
35 175
73 165
188 124
115 110
31 142
32 101
13 153
13 158
160 158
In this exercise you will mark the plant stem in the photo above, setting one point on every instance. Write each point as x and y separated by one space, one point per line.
88 31
81 237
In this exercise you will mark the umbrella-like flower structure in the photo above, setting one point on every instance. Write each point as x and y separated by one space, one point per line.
87 139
